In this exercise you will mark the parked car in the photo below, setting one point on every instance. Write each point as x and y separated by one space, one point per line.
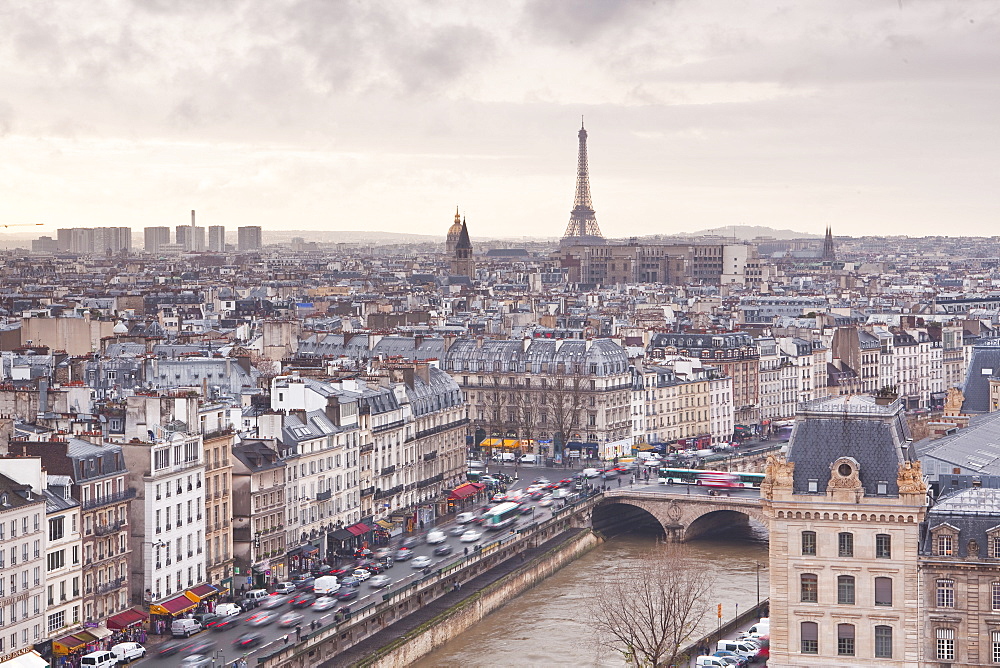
184 628
741 661
248 640
227 609
284 588
290 619
380 581
128 651
442 550
470 536
421 562
324 603
434 537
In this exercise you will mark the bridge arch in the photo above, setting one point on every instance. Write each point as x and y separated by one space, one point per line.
620 515
716 520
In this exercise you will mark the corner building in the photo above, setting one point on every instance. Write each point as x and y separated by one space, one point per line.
844 509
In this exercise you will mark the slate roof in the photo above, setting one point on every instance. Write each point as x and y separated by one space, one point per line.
851 426
974 449
985 363
973 511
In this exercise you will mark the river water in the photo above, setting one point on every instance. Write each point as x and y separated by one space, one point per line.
549 626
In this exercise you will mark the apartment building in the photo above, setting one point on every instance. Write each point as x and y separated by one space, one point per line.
22 565
259 507
63 558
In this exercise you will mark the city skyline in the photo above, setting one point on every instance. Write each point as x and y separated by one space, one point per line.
382 117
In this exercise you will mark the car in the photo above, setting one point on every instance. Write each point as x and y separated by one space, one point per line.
170 647
305 585
290 619
404 553
498 497
456 530
361 574
227 609
545 501
127 651
261 619
284 588
741 661
324 603
184 627
196 661
470 536
382 553
337 571
434 537
225 623
303 600
362 553
374 568
248 604
525 510
205 618
274 601
465 518
248 640
537 494
442 550
350 581
421 562
346 594
410 541
201 646
380 581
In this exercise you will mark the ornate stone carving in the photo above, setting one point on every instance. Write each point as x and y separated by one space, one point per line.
910 479
844 475
973 549
777 474
953 402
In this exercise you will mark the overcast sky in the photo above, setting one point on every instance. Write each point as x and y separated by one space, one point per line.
873 116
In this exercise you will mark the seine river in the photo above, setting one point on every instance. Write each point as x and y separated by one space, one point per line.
548 625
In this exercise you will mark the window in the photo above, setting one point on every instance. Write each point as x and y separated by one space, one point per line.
883 546
946 644
845 589
845 544
946 593
994 546
883 642
809 588
883 591
845 639
944 544
809 543
810 637
995 646
56 560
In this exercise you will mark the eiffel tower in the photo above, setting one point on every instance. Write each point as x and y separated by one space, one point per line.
582 229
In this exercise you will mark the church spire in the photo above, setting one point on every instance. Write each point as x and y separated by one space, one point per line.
829 251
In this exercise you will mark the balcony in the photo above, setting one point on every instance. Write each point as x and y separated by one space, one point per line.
430 455
368 491
368 447
109 528
386 427
106 587
118 497
323 496
388 470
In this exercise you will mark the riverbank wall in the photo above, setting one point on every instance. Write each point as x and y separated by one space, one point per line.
482 600
727 629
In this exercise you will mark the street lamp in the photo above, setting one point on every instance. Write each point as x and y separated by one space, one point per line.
758 564
218 655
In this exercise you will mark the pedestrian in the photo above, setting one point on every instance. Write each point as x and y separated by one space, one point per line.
619 482
298 633
312 625
285 638
466 550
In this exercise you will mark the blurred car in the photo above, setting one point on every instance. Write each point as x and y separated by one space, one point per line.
284 587
350 581
361 574
261 618
196 661
442 550
225 623
324 603
526 509
346 594
470 536
421 562
382 553
248 640
499 496
456 530
546 501
374 568
303 600
404 553
170 647
435 537
274 601
410 541
380 581
200 646
362 553
305 585
290 619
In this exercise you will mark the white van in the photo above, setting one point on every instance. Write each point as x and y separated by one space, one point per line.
126 651
184 628
745 648
529 459
716 661
256 594
465 518
505 457
103 659
325 585
760 629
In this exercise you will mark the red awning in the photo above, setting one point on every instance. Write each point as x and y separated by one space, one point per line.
359 529
126 619
466 490
203 591
173 606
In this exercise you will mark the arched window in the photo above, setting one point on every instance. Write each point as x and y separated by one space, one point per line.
845 589
883 642
883 591
809 588
845 639
809 632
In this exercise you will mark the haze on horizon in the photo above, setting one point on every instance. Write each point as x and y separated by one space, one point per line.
873 117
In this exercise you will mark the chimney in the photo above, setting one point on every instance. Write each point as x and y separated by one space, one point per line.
423 369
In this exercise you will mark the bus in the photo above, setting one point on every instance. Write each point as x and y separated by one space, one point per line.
501 516
672 476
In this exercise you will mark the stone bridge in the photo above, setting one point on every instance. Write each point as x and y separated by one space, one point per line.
679 516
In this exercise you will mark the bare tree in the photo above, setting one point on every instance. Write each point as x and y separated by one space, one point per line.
650 616
566 396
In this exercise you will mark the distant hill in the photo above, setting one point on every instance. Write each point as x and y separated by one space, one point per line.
748 232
